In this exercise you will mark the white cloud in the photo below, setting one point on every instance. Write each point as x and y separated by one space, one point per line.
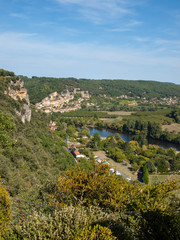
99 11
18 15
25 55
133 23
141 39
126 26
173 43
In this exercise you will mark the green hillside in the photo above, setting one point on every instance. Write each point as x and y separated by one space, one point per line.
30 156
40 87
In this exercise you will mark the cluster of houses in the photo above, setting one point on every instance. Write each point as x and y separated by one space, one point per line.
52 126
168 101
63 102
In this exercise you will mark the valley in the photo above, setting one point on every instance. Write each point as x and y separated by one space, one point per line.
52 152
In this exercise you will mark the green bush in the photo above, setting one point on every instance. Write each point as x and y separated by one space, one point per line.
5 205
158 225
97 232
66 223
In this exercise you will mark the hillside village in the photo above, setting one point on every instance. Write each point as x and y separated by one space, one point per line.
168 101
68 101
63 102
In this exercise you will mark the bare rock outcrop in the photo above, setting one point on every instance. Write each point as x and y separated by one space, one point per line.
17 91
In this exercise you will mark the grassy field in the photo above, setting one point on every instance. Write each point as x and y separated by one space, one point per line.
173 127
119 114
153 179
109 120
159 116
118 166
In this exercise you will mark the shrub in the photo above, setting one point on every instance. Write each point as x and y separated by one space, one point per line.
97 232
63 224
5 215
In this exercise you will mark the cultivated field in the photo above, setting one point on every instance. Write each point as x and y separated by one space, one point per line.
172 127
109 120
120 113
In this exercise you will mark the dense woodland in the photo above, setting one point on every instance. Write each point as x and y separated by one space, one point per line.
69 200
40 87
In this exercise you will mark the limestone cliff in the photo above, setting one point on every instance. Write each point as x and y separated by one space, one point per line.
17 91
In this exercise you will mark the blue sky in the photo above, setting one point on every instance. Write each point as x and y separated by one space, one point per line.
98 39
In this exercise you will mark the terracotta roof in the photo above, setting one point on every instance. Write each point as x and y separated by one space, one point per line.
76 152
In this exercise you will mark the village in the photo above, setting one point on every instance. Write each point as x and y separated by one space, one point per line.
167 101
63 102
68 101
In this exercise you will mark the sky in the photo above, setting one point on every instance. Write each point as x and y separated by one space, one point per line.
95 39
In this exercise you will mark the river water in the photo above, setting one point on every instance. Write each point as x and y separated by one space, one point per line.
126 137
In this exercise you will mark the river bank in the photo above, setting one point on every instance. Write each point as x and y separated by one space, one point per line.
127 138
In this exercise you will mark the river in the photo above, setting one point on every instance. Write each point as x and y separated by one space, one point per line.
126 137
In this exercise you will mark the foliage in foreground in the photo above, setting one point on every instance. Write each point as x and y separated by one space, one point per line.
103 189
5 205
97 232
95 202
66 223
84 223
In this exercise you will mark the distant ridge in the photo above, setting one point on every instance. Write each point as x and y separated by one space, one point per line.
40 87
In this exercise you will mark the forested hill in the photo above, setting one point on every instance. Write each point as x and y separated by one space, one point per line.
40 87
30 156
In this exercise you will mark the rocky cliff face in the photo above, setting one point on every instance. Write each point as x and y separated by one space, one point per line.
17 91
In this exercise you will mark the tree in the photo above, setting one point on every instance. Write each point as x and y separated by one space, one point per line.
84 131
150 166
140 137
96 141
117 154
175 163
175 114
171 152
71 130
145 177
154 130
162 164
135 166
